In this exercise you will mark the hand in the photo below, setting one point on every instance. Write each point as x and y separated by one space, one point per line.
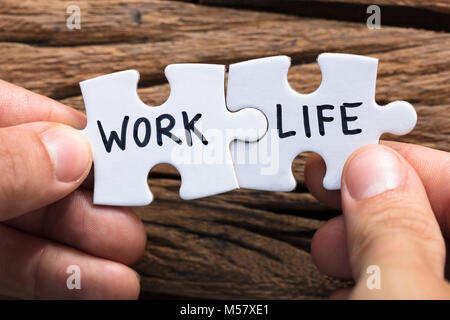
47 223
395 199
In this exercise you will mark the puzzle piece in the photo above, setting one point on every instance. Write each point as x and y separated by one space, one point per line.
192 131
336 119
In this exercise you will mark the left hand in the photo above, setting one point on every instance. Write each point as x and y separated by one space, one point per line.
47 222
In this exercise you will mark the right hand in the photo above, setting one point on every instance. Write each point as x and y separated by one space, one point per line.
395 199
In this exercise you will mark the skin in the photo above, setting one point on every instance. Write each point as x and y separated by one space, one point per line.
47 221
404 230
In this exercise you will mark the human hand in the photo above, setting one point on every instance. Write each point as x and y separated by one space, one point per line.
47 223
395 199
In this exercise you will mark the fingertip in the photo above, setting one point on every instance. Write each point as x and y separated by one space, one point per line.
372 170
341 294
119 230
134 287
69 151
315 170
24 106
106 280
41 269
388 218
76 119
131 237
138 240
329 249
88 182
43 162
113 233
101 279
64 114
124 283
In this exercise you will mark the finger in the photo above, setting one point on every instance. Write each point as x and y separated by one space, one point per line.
314 173
40 162
447 262
329 249
330 254
88 182
18 105
432 166
33 268
109 232
329 246
390 225
341 294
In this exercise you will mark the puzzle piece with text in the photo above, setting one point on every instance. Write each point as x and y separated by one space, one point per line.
192 131
335 120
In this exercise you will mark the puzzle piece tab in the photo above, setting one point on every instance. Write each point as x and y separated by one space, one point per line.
192 131
336 119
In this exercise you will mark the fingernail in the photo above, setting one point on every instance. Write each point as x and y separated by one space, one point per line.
372 171
69 152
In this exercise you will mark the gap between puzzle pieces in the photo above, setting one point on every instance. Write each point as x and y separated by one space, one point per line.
193 129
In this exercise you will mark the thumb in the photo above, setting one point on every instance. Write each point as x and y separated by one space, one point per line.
40 162
391 230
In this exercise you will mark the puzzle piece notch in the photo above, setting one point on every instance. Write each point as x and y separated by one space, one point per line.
349 117
122 160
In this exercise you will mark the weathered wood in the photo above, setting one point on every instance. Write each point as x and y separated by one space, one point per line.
418 74
437 5
108 22
138 20
245 243
303 39
432 15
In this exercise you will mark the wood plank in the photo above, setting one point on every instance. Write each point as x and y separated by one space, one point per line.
104 21
303 39
418 74
432 14
436 5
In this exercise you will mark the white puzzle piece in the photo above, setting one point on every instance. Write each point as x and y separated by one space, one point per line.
336 119
192 131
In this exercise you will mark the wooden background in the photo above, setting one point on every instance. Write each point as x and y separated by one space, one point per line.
242 244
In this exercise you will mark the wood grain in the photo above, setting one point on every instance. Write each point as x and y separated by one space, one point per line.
108 22
245 243
425 14
437 5
220 248
303 39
